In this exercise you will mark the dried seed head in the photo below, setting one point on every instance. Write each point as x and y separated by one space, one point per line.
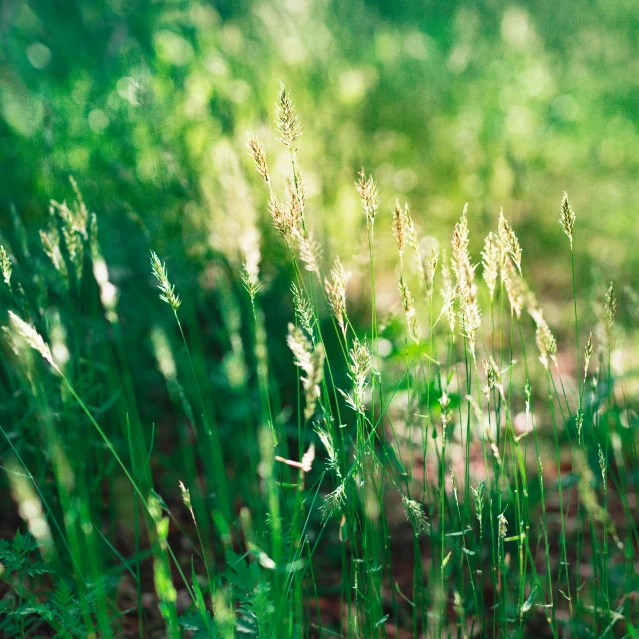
5 266
167 291
288 124
433 259
470 318
32 338
311 360
296 199
336 292
259 157
359 371
399 227
461 264
310 251
509 241
567 217
282 220
490 261
369 194
516 288
409 309
545 342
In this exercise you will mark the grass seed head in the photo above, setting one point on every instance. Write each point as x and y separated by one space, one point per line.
545 342
399 227
259 157
369 194
611 304
567 217
336 292
311 360
167 291
32 338
490 261
334 502
509 241
287 121
5 266
415 514
409 309
503 525
310 251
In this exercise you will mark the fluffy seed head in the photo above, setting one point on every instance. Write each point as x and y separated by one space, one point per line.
415 514
369 194
334 502
310 251
288 124
509 241
567 217
259 157
31 337
545 342
282 219
336 292
399 227
311 360
490 261
409 309
167 291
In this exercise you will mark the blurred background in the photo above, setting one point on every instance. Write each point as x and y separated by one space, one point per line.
146 103
497 104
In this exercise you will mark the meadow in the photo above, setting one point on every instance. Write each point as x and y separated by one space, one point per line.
433 472
365 371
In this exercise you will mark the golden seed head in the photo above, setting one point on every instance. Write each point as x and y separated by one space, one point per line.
545 342
509 241
336 292
310 251
490 261
399 227
259 157
311 360
369 194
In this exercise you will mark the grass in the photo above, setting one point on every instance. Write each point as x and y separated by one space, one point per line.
446 469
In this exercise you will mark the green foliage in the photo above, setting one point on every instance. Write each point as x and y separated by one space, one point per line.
17 556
